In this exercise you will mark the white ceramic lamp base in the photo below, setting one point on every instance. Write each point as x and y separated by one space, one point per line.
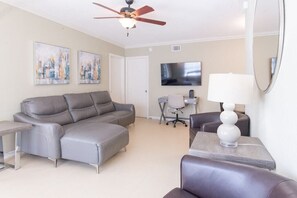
228 132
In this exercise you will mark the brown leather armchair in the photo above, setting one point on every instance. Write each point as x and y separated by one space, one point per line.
205 178
209 122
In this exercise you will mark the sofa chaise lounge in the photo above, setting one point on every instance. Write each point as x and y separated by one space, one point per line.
84 127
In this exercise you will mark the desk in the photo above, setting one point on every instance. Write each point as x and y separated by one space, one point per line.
250 150
163 100
8 127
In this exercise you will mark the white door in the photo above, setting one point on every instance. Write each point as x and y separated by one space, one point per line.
137 76
117 78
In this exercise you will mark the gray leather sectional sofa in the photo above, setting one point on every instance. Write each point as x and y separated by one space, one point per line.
85 127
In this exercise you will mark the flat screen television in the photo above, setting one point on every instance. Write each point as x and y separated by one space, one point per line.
181 74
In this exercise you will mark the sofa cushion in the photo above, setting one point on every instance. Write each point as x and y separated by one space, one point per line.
81 106
97 119
52 109
103 102
106 118
124 117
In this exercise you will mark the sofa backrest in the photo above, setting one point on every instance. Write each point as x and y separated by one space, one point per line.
210 178
81 106
48 109
103 102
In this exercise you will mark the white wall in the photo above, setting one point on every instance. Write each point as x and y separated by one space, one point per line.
274 115
19 30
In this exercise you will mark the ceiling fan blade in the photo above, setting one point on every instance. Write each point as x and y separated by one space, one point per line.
106 7
143 10
150 21
107 17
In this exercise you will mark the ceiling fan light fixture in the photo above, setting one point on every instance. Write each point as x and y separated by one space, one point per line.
127 23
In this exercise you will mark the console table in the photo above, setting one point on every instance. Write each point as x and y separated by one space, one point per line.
9 127
163 100
250 150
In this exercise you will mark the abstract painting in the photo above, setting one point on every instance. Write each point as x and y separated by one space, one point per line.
51 64
89 68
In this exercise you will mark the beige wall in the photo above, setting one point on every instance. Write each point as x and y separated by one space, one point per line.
19 30
216 57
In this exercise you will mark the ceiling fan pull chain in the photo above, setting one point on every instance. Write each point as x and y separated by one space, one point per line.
127 32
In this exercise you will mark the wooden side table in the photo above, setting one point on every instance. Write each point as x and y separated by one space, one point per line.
250 150
9 127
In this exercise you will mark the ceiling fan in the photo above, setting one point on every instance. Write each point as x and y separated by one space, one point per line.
129 16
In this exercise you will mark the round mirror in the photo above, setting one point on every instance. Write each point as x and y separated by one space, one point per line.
268 41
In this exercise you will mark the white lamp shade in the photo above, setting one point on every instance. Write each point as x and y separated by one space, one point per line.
127 22
230 88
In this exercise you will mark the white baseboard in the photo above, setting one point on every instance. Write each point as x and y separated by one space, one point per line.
9 155
154 117
158 118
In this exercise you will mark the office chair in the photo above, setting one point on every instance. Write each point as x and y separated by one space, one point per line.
176 104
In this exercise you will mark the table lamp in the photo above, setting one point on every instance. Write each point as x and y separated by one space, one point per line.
230 89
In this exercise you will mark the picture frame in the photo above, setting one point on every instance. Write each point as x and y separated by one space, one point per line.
51 64
89 68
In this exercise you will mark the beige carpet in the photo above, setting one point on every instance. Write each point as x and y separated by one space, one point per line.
149 169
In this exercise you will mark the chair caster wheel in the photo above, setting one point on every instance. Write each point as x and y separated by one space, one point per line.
186 125
174 126
166 123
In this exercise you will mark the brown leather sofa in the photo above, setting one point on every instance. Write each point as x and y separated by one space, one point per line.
204 178
209 122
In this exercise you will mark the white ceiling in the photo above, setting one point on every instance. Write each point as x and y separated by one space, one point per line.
188 20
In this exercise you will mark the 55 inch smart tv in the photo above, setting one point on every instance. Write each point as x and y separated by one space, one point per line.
181 74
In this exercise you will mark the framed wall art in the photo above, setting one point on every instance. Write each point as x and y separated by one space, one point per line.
51 64
89 68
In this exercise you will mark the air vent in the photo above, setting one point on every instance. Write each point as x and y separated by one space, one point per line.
175 48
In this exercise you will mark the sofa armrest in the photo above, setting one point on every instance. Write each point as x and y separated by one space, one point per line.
209 122
196 120
179 193
210 126
210 178
50 132
243 124
124 107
